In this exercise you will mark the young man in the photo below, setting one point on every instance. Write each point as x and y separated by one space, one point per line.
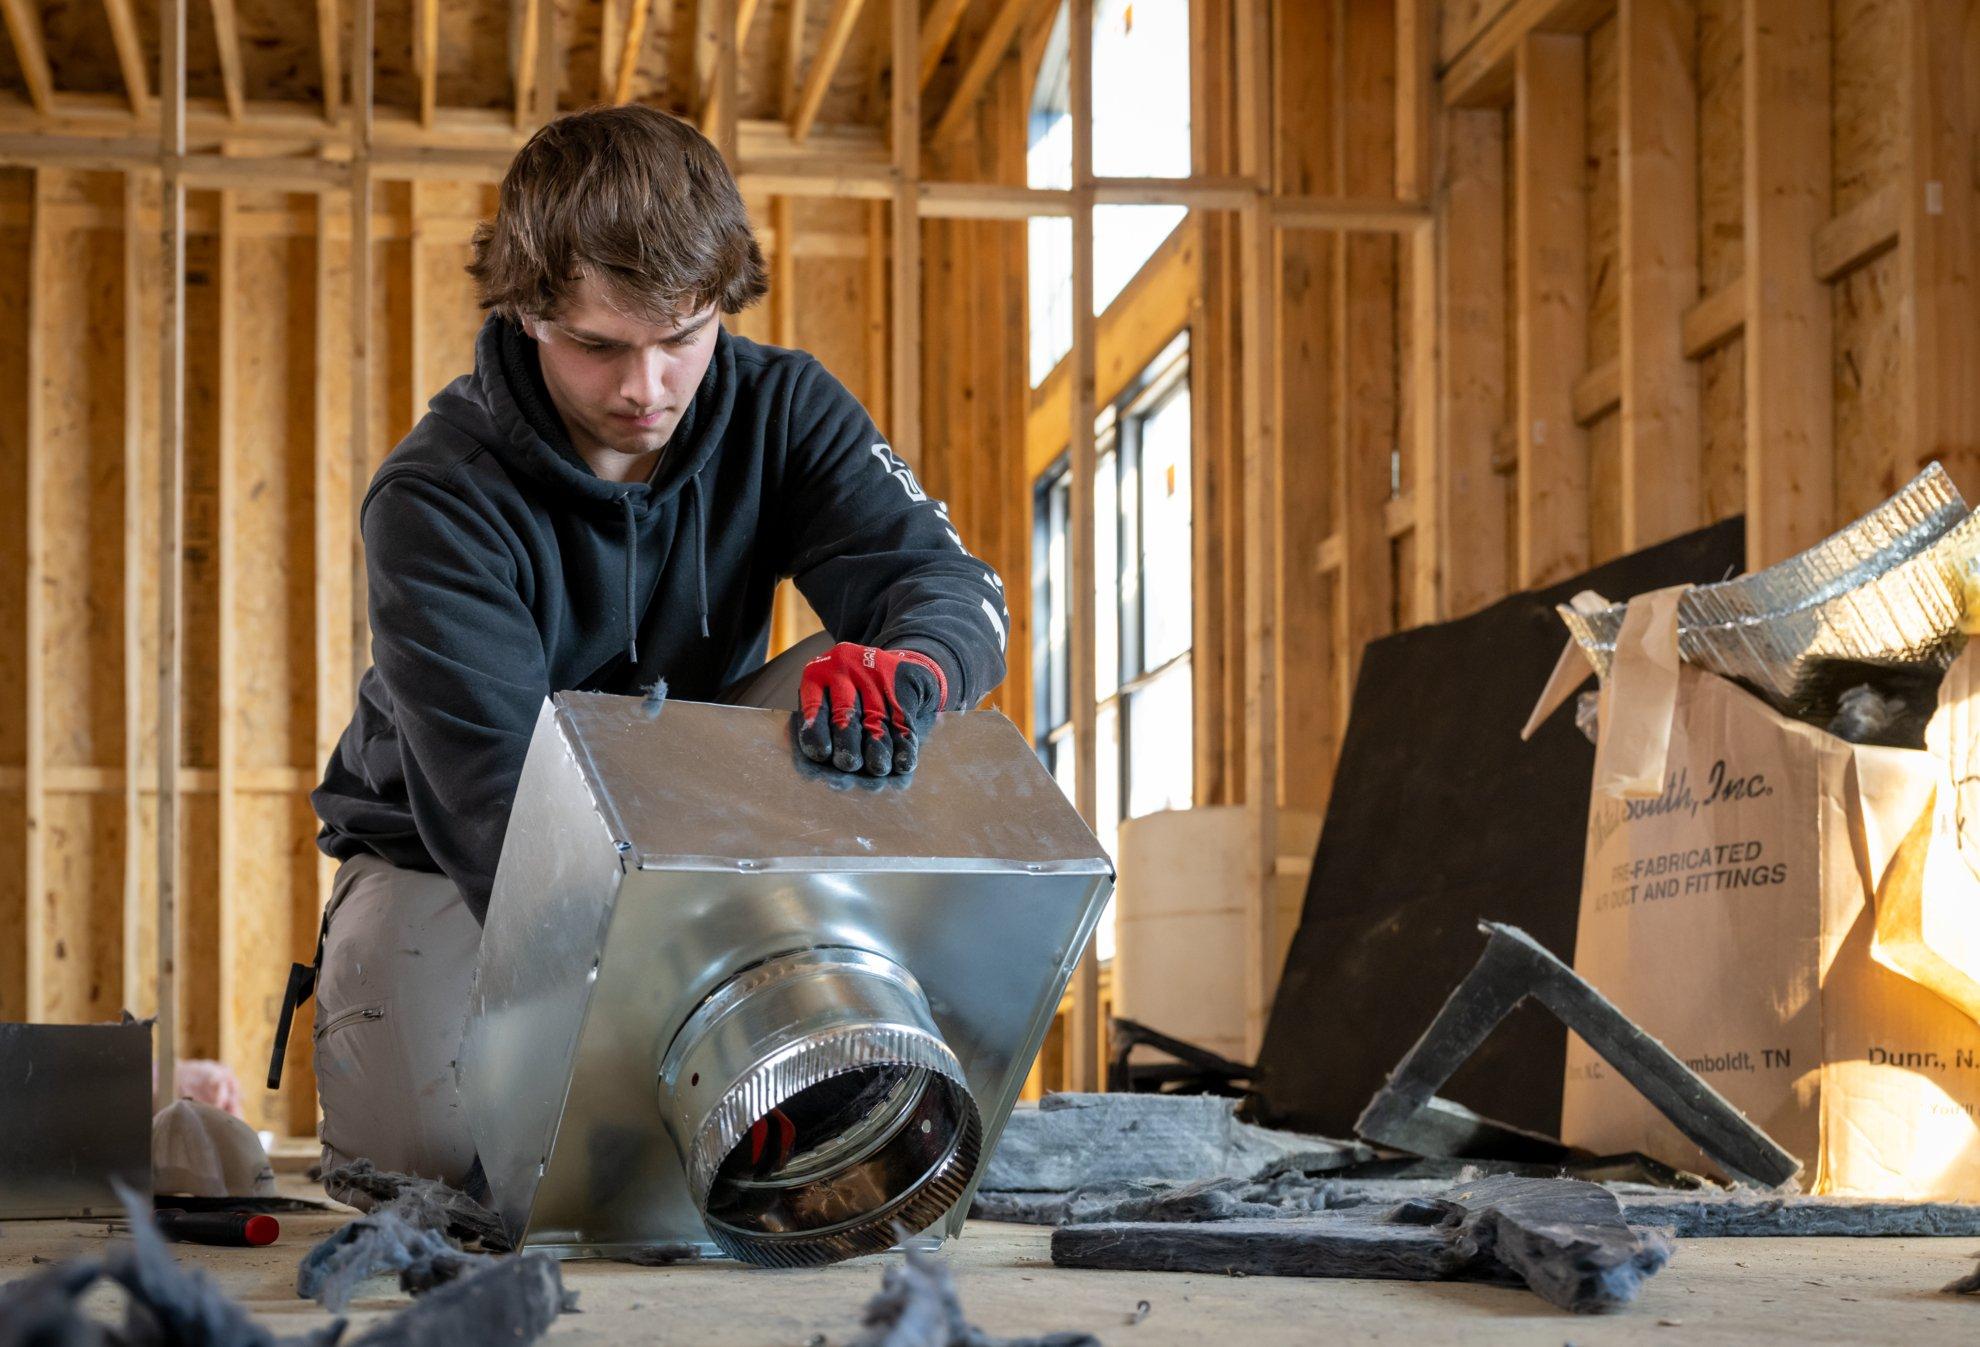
608 500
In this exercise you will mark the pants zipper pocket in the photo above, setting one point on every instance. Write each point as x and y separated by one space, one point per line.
344 1017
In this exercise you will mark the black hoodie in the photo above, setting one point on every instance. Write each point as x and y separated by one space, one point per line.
501 568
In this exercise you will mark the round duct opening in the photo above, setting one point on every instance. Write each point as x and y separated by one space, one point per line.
818 1111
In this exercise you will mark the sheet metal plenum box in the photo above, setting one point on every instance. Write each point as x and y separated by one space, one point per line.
648 860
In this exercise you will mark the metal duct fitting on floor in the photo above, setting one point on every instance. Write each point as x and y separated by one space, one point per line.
730 1002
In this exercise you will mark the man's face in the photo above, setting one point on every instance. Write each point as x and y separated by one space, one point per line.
621 385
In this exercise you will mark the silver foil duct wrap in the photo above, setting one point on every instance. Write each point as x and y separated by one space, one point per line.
1884 594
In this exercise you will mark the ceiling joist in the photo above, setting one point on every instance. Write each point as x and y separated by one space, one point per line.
631 42
936 30
526 29
983 63
130 52
329 44
789 87
24 26
426 45
227 37
838 32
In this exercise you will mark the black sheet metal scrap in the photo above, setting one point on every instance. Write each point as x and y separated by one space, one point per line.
1563 1239
1406 1112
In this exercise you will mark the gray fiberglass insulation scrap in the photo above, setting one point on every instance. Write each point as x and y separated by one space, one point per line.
427 1203
917 1306
410 1230
512 1300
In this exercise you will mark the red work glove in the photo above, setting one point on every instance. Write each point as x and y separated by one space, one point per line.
865 709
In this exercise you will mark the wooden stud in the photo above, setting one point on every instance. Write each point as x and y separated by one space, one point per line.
783 273
1940 229
130 53
1861 234
362 72
1259 397
38 917
171 535
1549 243
227 36
630 47
1790 487
905 291
417 387
983 62
426 43
329 43
1472 402
137 570
1661 467
235 911
878 307
838 32
23 20
1086 1029
1416 150
936 31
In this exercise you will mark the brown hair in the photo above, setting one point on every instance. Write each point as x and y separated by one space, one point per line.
632 196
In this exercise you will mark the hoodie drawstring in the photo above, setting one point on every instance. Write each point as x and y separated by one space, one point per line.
632 573
632 565
700 552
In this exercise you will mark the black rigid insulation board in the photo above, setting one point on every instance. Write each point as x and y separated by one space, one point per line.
1440 818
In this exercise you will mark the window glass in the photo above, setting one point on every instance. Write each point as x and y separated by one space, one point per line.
1106 578
1165 530
1140 89
1161 759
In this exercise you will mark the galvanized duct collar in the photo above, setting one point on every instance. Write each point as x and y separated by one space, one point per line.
818 1110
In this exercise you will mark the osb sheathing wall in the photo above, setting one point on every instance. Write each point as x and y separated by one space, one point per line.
266 605
1700 257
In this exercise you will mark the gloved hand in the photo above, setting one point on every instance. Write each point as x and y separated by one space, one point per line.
865 709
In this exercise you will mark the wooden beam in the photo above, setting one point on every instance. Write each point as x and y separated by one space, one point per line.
1416 150
991 201
1937 261
171 534
1662 492
1472 397
1258 453
1713 321
983 63
718 120
1550 231
36 921
1790 456
1086 1052
526 30
789 88
227 36
130 53
936 30
630 46
23 19
329 45
1144 318
426 41
1598 392
1863 233
1416 106
838 32
905 291
1482 75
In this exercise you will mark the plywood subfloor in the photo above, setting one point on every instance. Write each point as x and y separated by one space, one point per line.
1717 1291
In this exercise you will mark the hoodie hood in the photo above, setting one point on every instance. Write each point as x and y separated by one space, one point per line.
505 406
